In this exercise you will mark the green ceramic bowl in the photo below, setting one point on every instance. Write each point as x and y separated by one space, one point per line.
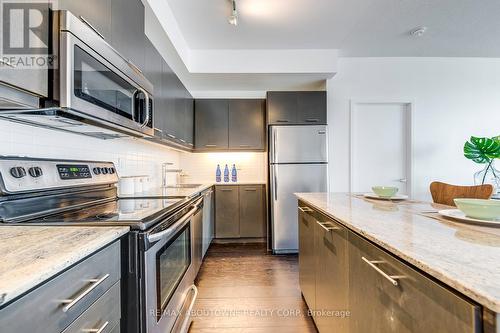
385 191
479 209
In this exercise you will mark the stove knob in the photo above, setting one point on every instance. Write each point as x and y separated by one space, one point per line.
18 172
104 171
35 172
112 170
97 171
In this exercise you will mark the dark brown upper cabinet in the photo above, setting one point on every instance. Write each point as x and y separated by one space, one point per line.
230 125
296 108
311 107
282 107
211 124
246 124
127 30
96 13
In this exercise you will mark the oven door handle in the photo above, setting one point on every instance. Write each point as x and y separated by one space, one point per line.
152 238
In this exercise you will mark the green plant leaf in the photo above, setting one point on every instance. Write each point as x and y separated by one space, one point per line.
482 150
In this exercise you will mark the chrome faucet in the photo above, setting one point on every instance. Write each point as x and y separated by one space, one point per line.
164 170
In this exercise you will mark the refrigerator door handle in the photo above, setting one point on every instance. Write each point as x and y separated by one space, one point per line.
275 183
275 153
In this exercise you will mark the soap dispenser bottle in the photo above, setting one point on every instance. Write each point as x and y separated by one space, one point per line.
234 174
226 174
218 174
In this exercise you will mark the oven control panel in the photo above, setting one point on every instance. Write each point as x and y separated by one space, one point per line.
20 174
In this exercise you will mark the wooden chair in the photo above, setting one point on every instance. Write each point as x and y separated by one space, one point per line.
444 194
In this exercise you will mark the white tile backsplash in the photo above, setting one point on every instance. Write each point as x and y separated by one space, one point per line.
201 167
131 156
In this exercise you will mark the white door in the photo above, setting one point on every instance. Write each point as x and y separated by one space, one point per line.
380 146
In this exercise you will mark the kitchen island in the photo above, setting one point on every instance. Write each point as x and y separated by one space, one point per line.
462 260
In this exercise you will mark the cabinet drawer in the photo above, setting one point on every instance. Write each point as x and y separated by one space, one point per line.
102 316
390 296
55 305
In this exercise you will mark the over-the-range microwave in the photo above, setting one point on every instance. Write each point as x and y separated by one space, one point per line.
94 90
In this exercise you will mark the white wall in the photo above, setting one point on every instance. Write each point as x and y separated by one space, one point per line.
200 167
455 98
131 156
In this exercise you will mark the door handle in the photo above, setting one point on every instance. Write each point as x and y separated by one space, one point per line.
72 302
97 330
373 264
275 184
328 226
402 180
146 95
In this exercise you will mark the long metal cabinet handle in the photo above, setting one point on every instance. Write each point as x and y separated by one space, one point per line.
185 325
328 226
159 235
72 302
91 27
97 330
391 278
305 210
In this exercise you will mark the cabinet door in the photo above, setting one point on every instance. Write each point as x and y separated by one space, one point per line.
307 264
332 277
211 124
153 72
95 12
127 29
189 120
411 302
311 107
246 124
169 93
227 212
282 107
252 211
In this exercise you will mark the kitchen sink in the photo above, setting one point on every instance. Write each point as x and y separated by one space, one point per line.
184 186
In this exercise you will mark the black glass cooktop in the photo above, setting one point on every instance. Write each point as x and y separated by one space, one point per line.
137 213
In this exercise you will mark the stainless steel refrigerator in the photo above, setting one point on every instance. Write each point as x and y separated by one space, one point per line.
298 162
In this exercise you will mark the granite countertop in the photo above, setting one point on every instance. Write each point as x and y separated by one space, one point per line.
182 191
31 255
463 256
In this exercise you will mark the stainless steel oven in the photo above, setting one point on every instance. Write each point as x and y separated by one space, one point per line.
169 271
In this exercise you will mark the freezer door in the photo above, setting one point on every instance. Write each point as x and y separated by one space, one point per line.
298 144
287 179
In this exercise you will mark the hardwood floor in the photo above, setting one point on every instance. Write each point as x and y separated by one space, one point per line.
245 290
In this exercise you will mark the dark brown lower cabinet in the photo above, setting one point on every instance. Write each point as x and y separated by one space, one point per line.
240 211
252 211
227 212
354 286
332 277
307 261
415 304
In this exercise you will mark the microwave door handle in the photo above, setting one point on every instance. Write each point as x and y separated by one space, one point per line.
146 121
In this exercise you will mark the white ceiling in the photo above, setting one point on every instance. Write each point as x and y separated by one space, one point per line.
356 27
